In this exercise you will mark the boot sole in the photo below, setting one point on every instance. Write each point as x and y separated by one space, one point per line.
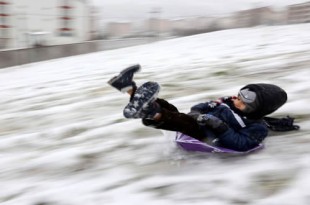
144 95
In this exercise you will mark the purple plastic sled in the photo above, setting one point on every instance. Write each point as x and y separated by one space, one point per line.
190 144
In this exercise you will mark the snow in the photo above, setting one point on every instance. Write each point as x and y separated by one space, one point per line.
65 141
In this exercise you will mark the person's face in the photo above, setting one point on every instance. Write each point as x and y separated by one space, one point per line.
238 103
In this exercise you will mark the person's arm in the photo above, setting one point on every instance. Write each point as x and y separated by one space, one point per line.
238 139
202 108
212 122
245 138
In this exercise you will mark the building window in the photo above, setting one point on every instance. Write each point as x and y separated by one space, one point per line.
66 19
4 19
4 33
66 32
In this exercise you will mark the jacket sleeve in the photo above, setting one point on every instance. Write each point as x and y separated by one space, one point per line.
245 138
206 107
200 108
239 134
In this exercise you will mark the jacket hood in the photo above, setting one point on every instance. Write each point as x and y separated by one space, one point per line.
269 98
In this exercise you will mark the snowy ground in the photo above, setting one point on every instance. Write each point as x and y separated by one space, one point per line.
64 140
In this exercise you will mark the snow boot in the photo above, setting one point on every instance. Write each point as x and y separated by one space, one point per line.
142 103
123 82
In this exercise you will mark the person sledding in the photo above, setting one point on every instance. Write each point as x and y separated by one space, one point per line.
234 122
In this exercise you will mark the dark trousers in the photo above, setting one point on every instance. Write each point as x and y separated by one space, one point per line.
174 120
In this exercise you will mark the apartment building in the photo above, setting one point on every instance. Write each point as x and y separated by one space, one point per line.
298 13
255 17
119 29
28 23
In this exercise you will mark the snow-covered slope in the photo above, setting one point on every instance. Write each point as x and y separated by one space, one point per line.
64 140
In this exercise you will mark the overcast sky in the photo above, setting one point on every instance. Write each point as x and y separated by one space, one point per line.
130 10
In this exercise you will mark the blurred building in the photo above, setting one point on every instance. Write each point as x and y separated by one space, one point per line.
195 25
299 13
180 26
280 17
201 22
159 26
28 23
119 29
255 17
226 22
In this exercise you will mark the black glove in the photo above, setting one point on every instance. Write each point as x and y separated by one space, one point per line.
209 120
212 122
226 99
